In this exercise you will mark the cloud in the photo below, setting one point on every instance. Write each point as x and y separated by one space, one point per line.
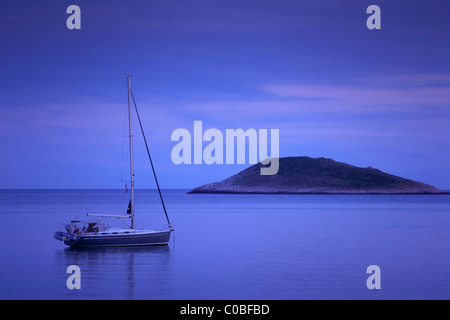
365 97
298 101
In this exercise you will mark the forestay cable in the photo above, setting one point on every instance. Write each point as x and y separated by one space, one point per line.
151 162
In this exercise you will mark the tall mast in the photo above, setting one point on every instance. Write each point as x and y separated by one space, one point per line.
131 153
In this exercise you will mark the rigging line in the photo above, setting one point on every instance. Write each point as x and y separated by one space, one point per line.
124 162
151 162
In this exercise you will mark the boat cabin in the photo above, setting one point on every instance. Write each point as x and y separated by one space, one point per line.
77 227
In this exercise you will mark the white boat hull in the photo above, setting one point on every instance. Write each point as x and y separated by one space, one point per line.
113 238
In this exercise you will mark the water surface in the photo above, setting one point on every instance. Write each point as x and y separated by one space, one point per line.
231 246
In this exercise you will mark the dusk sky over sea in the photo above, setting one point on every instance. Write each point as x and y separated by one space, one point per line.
311 69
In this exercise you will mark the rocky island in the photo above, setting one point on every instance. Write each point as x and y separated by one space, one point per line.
305 175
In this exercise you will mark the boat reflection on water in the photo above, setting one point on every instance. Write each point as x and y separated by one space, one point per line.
118 272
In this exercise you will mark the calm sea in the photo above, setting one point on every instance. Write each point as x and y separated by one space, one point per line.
231 246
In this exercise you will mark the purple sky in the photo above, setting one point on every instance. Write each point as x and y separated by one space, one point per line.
311 69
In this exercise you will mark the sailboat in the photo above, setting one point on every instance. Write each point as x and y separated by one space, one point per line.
97 234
